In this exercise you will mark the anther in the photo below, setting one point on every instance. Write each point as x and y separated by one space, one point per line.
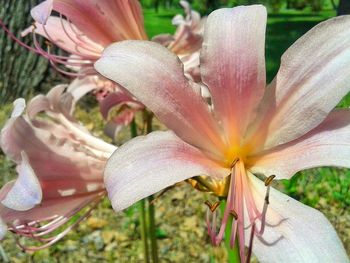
234 214
234 162
211 206
34 25
269 179
49 44
267 200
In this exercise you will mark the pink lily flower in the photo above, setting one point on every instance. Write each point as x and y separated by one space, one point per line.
187 40
84 38
247 130
189 33
59 165
84 28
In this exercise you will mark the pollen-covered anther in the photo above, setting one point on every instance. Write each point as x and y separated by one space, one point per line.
269 180
211 206
48 43
234 214
267 200
234 162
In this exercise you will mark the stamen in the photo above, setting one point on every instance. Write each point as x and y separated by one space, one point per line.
82 43
211 206
269 179
155 199
14 38
250 247
234 214
263 214
30 230
48 43
234 162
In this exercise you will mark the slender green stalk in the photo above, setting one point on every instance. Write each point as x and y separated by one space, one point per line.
232 253
152 230
3 255
148 117
133 129
142 208
144 234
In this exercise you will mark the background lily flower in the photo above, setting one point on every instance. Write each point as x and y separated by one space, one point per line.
187 39
59 166
84 38
247 130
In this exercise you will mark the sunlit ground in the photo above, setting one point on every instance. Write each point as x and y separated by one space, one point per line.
110 237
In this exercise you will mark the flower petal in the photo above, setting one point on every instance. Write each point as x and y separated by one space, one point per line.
233 64
41 12
80 87
115 99
19 106
61 206
67 36
26 191
113 20
300 234
148 164
326 145
145 69
312 79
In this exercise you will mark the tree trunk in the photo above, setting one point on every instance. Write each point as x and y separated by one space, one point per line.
21 72
343 7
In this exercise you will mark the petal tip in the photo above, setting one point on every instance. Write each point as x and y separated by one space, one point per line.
26 191
41 12
19 106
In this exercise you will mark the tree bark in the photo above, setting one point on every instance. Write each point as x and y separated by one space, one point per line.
21 72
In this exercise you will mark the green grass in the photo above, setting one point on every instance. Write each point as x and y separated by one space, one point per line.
159 23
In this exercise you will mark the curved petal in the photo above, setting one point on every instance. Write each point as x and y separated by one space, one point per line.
185 41
19 106
163 39
50 207
312 79
80 87
26 191
296 233
233 64
41 12
68 37
148 164
63 155
115 99
113 20
326 145
145 69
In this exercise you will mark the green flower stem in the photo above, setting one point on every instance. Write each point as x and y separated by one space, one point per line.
144 234
152 230
232 253
142 208
148 118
